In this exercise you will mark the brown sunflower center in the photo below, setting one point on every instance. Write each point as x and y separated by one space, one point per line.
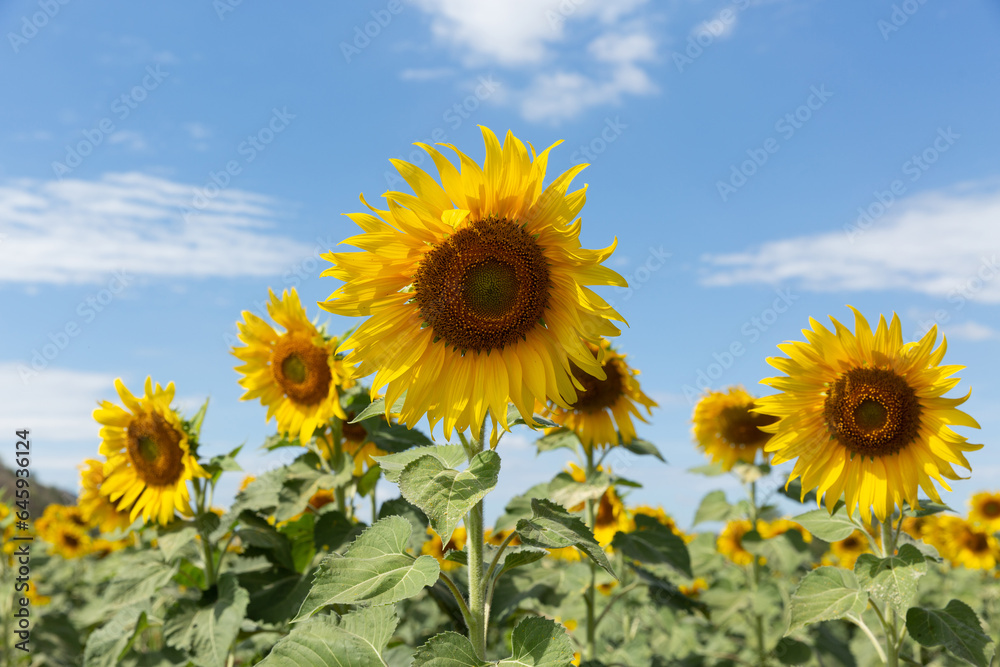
353 432
599 394
976 542
741 428
301 368
850 543
872 411
605 512
991 509
71 540
485 287
154 449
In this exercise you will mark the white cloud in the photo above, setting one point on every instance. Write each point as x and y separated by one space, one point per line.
941 243
81 231
527 33
197 130
971 331
55 404
132 140
426 74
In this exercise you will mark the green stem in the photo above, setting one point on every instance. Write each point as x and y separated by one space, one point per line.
337 433
199 494
478 619
871 636
591 595
458 596
755 581
889 536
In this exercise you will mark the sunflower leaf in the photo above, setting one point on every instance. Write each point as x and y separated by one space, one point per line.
445 494
539 642
563 438
392 464
566 491
208 632
109 643
713 507
664 593
825 594
448 649
515 418
652 542
356 639
956 627
643 448
929 507
827 527
552 527
375 569
377 408
892 580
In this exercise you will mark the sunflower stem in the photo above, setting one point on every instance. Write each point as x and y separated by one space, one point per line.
206 545
591 596
337 432
478 619
889 537
755 579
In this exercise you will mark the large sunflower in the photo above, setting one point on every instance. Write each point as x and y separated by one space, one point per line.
475 290
604 409
295 373
865 416
96 508
962 543
149 461
726 428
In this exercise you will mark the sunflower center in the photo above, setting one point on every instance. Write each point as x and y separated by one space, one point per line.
741 428
485 287
976 542
850 543
872 412
71 540
301 368
353 432
154 449
991 509
597 394
605 512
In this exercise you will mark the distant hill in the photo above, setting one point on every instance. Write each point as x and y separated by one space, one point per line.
41 495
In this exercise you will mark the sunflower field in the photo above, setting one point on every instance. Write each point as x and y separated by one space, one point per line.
475 311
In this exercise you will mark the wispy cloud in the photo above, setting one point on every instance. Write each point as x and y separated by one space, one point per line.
941 243
131 139
56 405
79 231
971 331
426 74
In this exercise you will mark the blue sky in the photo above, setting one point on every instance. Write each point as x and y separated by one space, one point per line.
760 162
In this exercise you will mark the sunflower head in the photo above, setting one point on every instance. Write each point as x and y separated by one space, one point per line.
769 529
149 458
985 510
479 279
96 508
730 541
728 430
864 416
848 549
962 543
433 547
64 528
602 414
294 372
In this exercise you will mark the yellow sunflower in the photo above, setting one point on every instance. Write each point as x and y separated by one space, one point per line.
296 373
695 589
97 510
604 408
475 290
355 441
985 511
149 461
865 416
769 529
496 538
962 543
68 540
848 549
727 430
730 541
917 526
661 516
433 547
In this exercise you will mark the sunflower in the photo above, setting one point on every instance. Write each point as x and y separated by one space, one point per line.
664 519
55 516
496 538
727 430
865 416
985 510
149 460
68 540
848 549
963 544
96 509
296 374
730 541
355 441
917 526
603 411
695 589
769 529
433 547
475 290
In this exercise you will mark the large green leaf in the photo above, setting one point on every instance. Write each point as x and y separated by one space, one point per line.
643 448
208 632
826 593
355 640
445 494
664 593
563 438
894 579
568 492
392 464
956 627
713 507
108 644
828 527
377 408
552 527
652 542
539 642
448 649
396 437
375 569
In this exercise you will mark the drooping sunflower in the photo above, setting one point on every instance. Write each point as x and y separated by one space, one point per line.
295 373
730 541
727 430
985 510
604 408
865 416
433 547
96 508
149 460
962 543
475 289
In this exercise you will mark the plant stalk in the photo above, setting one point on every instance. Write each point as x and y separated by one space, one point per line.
591 596
477 581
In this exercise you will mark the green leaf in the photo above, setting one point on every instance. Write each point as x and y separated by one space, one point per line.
892 580
448 649
333 530
562 438
396 437
367 482
929 507
708 470
643 448
519 507
276 594
260 536
109 643
515 418
446 495
198 419
713 507
539 642
566 491
392 464
827 527
518 556
208 632
552 527
223 463
792 652
179 535
664 593
355 640
826 593
375 569
377 408
793 491
141 580
401 507
956 627
652 542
